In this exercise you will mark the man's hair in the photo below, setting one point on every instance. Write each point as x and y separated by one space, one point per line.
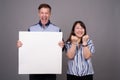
44 5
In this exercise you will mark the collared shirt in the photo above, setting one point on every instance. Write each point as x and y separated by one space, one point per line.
80 66
49 27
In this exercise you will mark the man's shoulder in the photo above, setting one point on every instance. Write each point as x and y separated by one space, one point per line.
34 25
54 26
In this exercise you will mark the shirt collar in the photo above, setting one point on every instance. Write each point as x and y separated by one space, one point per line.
47 24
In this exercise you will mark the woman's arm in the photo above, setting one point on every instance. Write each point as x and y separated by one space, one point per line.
71 52
86 52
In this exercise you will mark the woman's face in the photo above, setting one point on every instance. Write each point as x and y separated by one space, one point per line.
79 30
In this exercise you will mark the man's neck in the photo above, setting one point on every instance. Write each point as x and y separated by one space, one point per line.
44 24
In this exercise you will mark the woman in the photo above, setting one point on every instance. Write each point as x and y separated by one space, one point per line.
79 49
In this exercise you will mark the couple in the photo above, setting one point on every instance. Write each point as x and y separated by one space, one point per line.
79 48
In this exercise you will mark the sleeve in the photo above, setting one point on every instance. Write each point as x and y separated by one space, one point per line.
91 46
62 40
28 29
67 46
60 30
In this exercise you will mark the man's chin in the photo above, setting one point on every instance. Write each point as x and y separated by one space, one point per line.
44 22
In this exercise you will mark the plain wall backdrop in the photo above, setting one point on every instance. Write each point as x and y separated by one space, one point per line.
102 18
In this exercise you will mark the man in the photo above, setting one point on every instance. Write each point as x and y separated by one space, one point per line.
44 25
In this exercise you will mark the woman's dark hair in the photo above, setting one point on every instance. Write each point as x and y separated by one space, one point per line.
44 5
73 28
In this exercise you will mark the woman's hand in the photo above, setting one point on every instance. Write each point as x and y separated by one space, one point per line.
85 39
75 39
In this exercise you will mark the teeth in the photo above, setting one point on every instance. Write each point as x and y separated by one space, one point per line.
44 18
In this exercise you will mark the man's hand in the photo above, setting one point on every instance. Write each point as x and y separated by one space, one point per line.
61 44
19 44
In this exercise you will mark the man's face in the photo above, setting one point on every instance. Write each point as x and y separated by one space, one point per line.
44 15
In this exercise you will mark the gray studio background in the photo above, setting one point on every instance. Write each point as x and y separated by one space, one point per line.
102 18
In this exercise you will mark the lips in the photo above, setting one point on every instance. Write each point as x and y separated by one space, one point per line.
44 20
79 34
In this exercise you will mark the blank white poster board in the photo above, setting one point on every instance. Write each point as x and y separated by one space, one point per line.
40 53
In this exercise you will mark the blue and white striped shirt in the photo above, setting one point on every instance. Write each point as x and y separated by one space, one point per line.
80 66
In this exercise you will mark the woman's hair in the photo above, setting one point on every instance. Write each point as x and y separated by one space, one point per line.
73 28
44 5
